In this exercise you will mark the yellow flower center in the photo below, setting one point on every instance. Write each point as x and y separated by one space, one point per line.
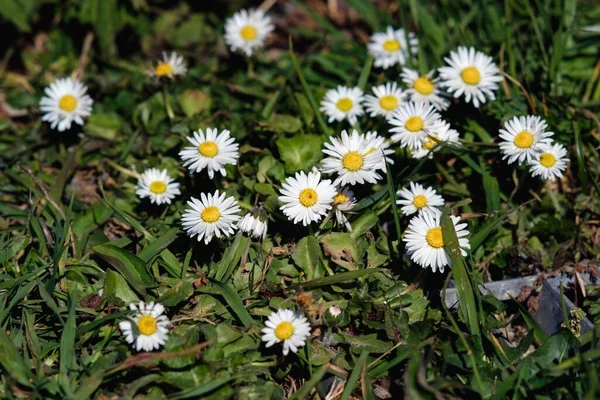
308 197
249 33
352 161
470 75
430 142
435 238
284 330
163 69
414 124
423 85
340 198
67 103
210 214
420 201
158 187
523 140
391 45
208 149
547 160
147 325
344 104
388 102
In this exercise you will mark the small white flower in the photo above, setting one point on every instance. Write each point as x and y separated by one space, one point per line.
382 145
65 102
157 185
424 88
472 74
387 99
392 47
212 215
288 327
419 199
212 151
343 103
343 202
147 328
254 223
247 30
354 158
549 162
413 122
425 241
522 138
170 66
306 198
444 135
334 311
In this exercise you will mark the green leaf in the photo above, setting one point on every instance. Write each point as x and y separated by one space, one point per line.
14 12
177 294
117 285
282 123
131 267
464 288
105 16
234 301
307 255
341 248
351 382
67 341
491 188
338 278
12 362
366 343
201 389
194 102
363 224
300 152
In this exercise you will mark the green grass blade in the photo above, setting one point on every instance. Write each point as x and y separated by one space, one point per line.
234 301
351 382
304 391
201 389
338 278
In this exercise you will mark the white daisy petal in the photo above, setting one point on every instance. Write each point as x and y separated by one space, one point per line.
424 88
343 103
444 134
306 198
158 186
213 215
287 327
413 123
387 98
150 331
472 74
65 102
522 138
425 243
247 30
419 199
211 151
392 47
171 66
549 162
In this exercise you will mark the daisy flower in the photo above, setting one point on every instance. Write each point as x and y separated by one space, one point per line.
247 30
306 198
212 215
343 202
550 161
445 134
392 47
354 158
425 241
212 151
522 138
387 99
424 88
147 329
419 199
413 122
472 74
157 185
170 66
382 145
334 311
288 327
254 223
65 102
343 103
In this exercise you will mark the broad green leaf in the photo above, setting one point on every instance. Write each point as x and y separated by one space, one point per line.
131 267
115 284
234 301
300 152
342 250
307 255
